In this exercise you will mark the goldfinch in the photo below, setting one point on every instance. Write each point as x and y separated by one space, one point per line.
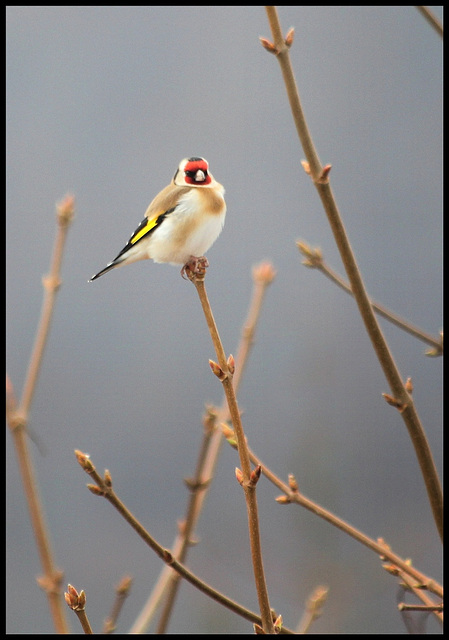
181 223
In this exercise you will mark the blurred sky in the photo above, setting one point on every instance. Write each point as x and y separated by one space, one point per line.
104 102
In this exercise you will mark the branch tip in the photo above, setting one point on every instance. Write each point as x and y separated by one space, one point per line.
437 351
209 419
84 461
264 273
124 585
313 257
76 601
65 210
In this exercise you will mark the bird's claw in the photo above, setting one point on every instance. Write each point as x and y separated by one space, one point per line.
194 267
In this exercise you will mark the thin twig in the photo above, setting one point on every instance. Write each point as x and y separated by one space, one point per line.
196 485
432 608
121 593
313 609
103 487
17 417
84 621
431 19
51 580
292 495
263 275
51 284
314 260
320 176
224 369
77 602
417 590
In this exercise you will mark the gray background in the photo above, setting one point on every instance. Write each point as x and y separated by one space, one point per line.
105 102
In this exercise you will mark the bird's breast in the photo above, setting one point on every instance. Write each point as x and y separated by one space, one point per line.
191 228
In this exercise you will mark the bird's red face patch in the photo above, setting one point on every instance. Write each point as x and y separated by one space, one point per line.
196 171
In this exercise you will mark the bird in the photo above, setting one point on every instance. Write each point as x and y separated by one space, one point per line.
181 223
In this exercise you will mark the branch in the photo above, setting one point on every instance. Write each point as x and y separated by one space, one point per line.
168 582
122 591
77 602
431 19
320 176
292 495
224 370
416 588
314 260
17 418
103 487
51 283
314 605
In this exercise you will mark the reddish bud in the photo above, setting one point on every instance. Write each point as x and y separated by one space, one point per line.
283 499
217 370
394 402
278 624
292 482
107 478
239 475
290 37
269 46
95 489
167 556
255 475
229 435
264 272
83 460
324 175
75 600
306 167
